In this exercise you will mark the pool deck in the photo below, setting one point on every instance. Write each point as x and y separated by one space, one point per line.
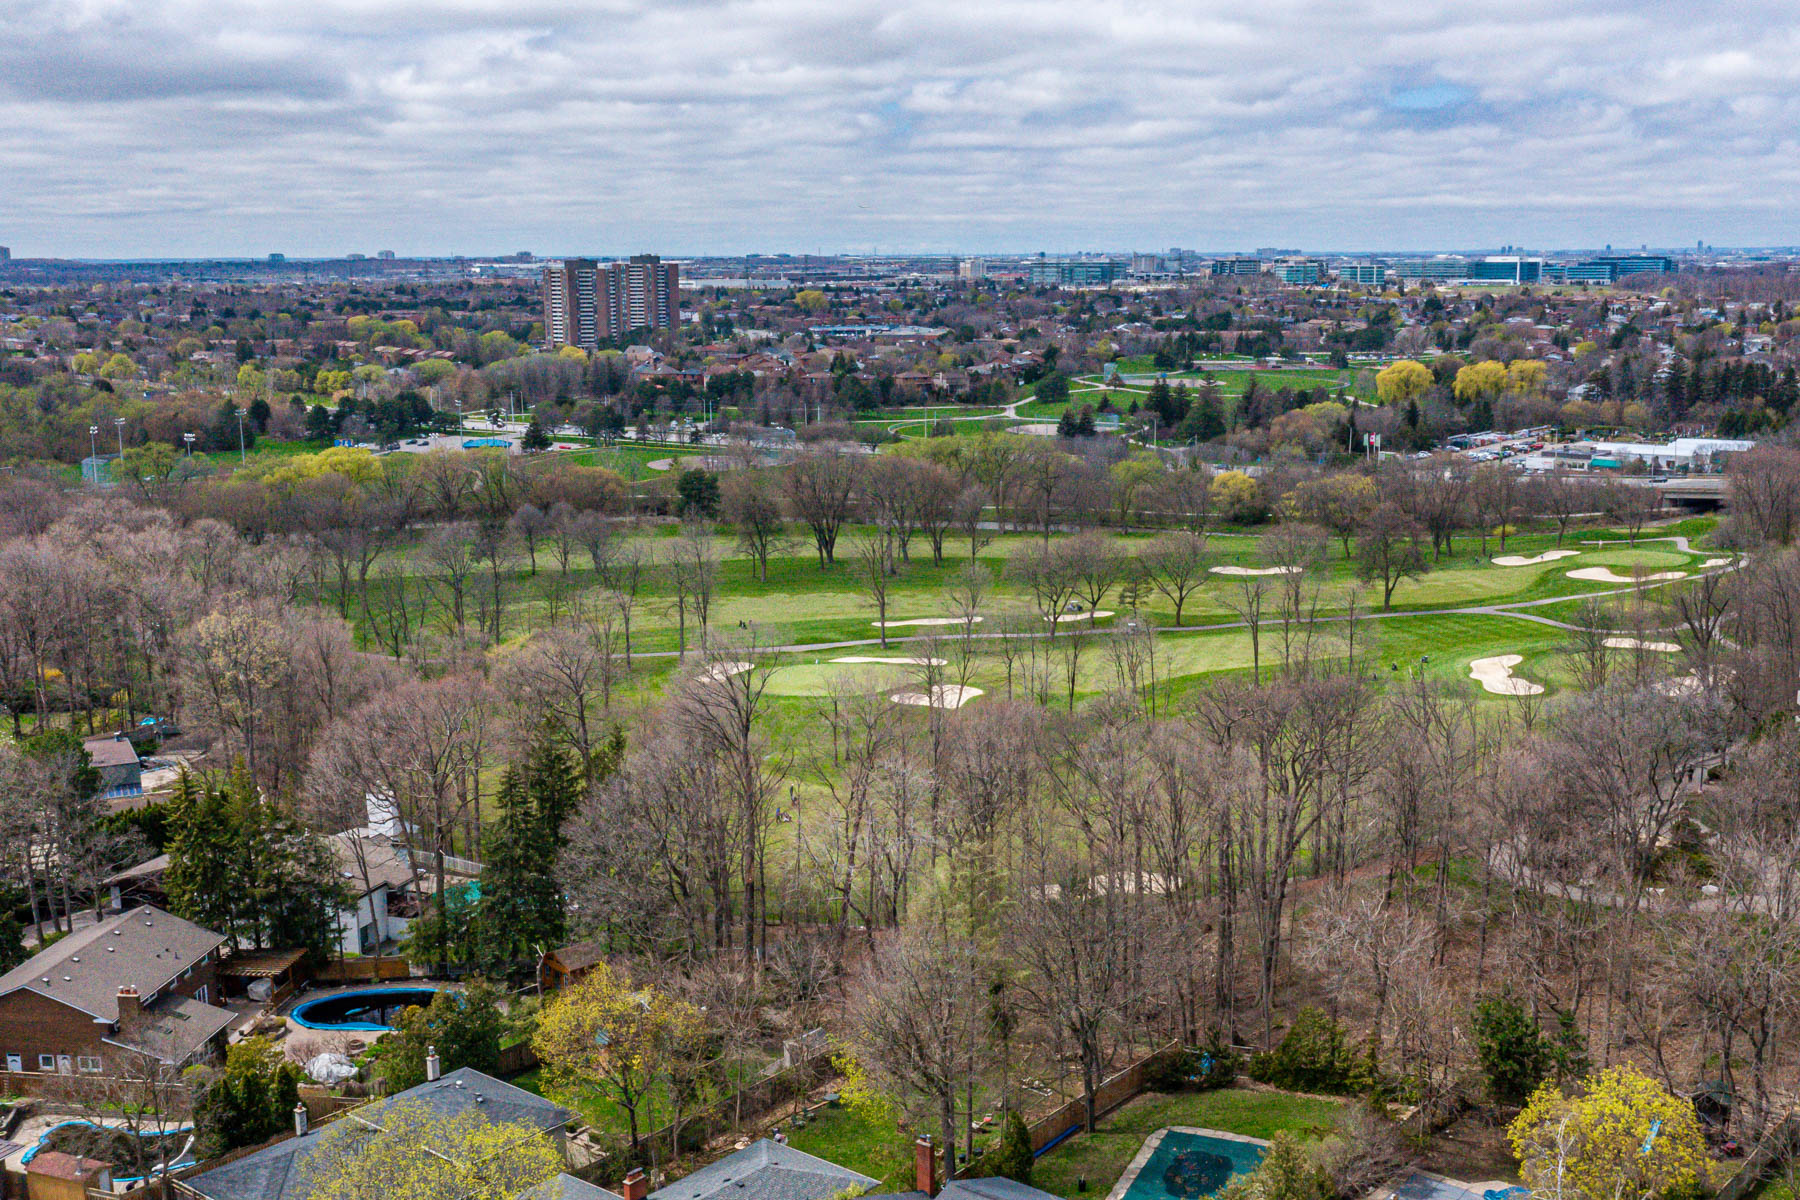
1156 1139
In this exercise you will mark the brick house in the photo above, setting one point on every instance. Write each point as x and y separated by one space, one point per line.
138 983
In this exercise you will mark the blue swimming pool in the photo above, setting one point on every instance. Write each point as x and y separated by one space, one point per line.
366 1010
109 1143
1187 1165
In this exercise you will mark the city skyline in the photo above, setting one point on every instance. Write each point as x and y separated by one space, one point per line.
170 131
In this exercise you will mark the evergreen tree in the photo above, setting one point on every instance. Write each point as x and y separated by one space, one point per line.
521 912
554 781
535 439
464 1027
250 1102
239 863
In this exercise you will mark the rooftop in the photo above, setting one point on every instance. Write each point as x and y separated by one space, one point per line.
766 1170
145 948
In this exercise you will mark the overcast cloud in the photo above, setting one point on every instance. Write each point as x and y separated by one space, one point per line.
190 127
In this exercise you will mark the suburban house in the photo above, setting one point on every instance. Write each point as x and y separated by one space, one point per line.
143 982
116 759
375 871
284 1170
766 1170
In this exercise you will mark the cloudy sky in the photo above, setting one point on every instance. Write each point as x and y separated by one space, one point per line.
320 127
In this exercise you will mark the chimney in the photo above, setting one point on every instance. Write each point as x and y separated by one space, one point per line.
635 1186
924 1166
131 1010
300 1120
432 1067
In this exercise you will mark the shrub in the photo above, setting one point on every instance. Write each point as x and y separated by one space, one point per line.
1313 1057
1515 1055
1011 1155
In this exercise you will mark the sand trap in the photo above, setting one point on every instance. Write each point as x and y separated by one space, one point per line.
927 621
1091 615
1710 563
1256 570
898 662
1519 560
943 695
1631 643
661 464
1495 675
1608 575
720 672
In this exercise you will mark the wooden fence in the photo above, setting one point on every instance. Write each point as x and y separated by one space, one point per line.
362 970
1112 1092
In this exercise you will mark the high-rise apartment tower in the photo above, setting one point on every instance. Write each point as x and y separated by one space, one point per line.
586 302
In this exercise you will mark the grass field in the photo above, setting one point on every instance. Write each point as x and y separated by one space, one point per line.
800 604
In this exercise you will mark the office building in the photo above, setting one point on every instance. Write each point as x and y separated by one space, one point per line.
1237 266
586 302
1298 270
1147 264
1610 268
1441 268
972 268
1365 274
1509 268
1065 273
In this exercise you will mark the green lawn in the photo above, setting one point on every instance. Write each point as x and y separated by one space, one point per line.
857 1141
1100 1158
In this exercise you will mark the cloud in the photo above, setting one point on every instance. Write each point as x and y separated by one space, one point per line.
183 127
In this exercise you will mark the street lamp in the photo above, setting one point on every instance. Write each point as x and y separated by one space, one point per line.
119 424
240 416
94 451
189 439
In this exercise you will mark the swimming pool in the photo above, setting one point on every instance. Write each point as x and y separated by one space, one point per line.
1184 1164
112 1144
366 1010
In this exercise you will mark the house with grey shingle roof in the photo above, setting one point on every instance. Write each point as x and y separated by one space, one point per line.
284 1171
766 1170
139 983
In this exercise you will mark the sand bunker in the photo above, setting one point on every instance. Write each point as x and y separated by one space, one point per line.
927 621
1631 643
943 695
720 672
1519 560
661 464
1495 675
1256 570
1091 615
1608 575
1710 563
898 662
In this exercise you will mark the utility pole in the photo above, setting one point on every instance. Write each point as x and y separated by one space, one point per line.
240 416
93 451
119 424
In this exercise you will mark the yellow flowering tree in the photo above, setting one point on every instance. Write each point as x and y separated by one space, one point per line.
408 1152
1402 381
606 1034
1618 1135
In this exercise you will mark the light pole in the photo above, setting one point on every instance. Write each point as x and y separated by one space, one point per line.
94 451
240 416
119 424
189 439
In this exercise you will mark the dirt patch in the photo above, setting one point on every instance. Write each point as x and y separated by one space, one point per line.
1473 1147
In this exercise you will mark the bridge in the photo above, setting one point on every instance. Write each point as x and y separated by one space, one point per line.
1695 491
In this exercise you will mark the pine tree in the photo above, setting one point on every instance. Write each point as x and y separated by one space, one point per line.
521 911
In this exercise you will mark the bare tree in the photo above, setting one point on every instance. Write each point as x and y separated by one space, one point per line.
1176 566
821 485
